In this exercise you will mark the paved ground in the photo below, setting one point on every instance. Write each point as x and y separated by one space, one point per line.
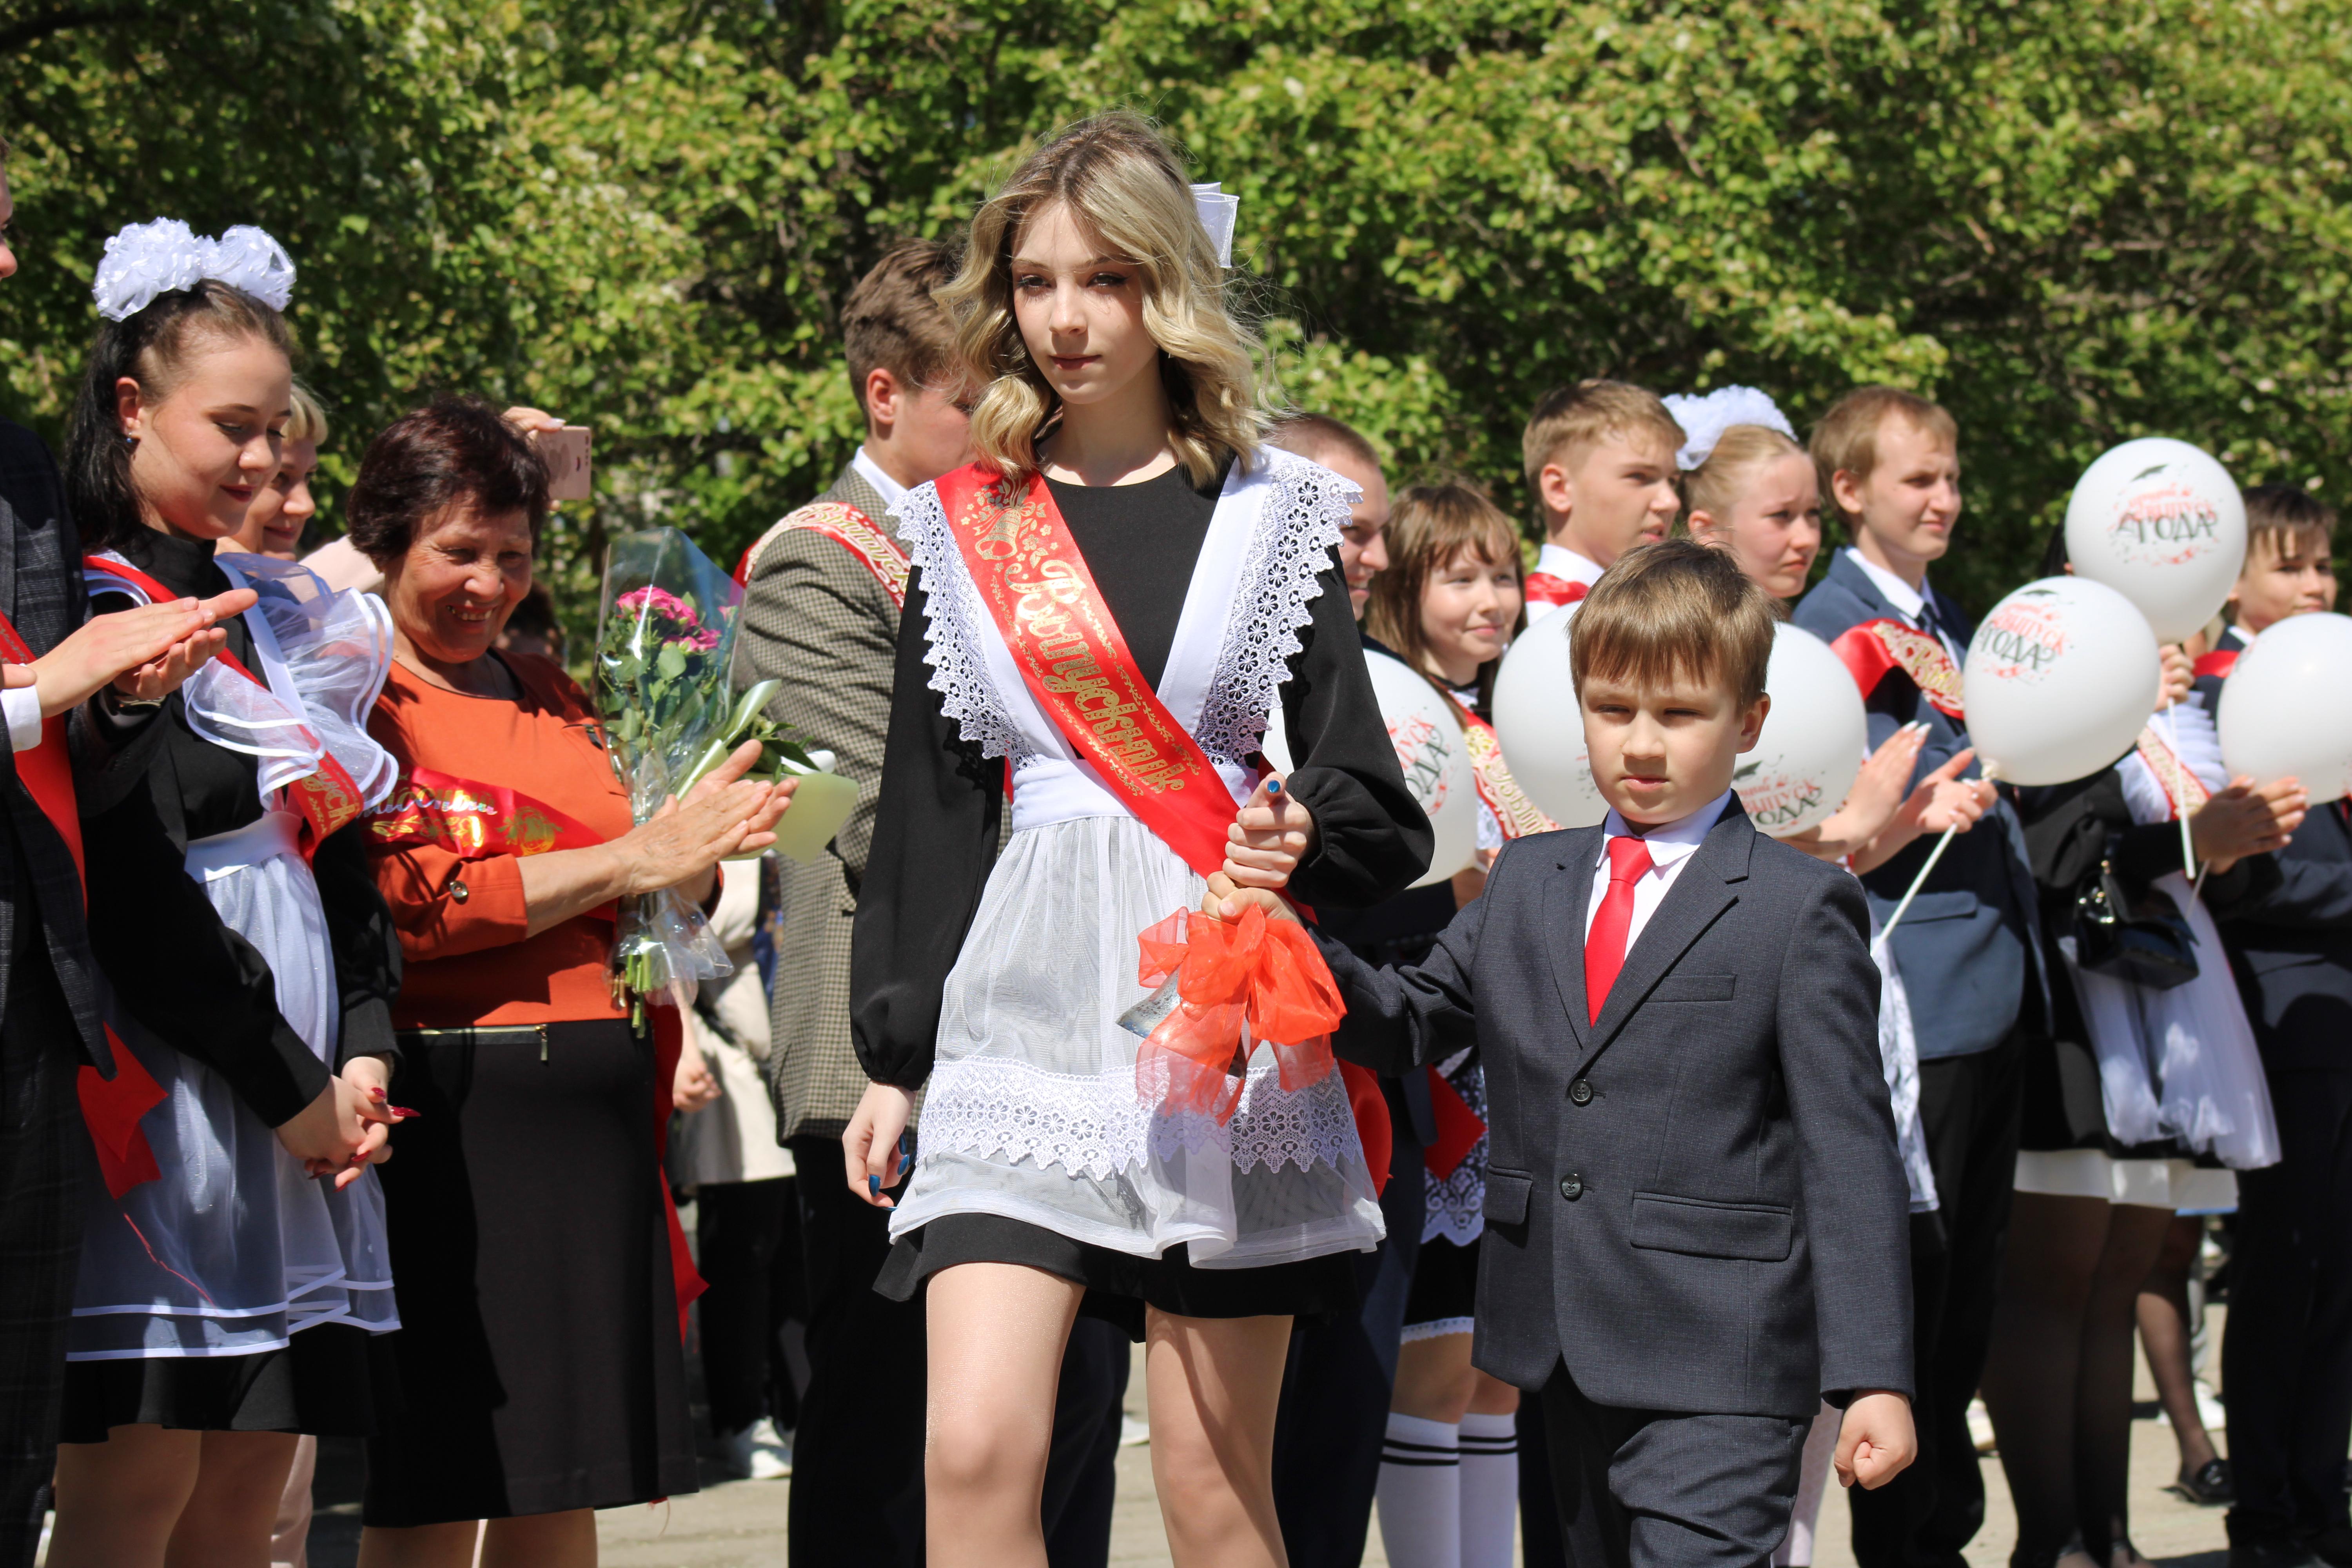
740 1524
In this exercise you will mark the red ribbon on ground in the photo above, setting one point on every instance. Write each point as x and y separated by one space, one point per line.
1267 974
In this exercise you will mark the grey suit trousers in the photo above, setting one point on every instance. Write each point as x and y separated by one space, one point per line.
1657 1489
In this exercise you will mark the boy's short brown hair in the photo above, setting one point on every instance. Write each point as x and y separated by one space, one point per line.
1590 412
893 322
1674 608
1311 436
2289 518
1846 439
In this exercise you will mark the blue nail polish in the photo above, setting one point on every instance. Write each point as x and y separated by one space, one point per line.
1272 787
874 1186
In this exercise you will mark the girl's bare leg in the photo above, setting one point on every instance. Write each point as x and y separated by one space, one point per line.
996 1332
117 1501
420 1546
1214 1384
1435 1378
2163 1311
566 1539
228 1517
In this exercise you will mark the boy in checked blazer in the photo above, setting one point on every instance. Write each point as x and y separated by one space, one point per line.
1697 1221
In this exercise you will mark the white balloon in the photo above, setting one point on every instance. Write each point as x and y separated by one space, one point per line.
1541 728
2283 708
1428 742
2060 680
2161 522
1813 739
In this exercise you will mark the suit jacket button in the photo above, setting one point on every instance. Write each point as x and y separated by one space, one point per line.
1580 1091
1572 1186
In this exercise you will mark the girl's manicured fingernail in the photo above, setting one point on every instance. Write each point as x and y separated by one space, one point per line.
402 1113
374 1093
874 1186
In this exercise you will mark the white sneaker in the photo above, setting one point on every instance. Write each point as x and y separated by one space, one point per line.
757 1453
1981 1426
1132 1432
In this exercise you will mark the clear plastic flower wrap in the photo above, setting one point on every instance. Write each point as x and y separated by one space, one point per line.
665 643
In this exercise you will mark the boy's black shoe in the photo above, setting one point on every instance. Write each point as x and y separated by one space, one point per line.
2331 1546
2273 1552
2209 1487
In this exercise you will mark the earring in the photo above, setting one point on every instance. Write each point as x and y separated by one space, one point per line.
131 441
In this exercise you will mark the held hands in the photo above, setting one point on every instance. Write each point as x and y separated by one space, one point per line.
869 1145
2242 820
344 1131
1876 1441
145 652
1274 833
1225 901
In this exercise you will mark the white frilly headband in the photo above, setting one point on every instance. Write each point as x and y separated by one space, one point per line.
1217 212
1705 419
148 259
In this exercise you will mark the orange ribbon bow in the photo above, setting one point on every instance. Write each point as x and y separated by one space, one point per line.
1265 973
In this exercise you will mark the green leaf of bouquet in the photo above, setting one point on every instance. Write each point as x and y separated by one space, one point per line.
672 660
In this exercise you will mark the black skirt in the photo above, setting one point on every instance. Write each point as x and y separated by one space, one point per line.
332 1381
1444 1298
539 1357
1120 1285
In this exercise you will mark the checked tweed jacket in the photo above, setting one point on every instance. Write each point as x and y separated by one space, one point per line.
815 618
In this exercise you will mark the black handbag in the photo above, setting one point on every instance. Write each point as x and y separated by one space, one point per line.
2144 941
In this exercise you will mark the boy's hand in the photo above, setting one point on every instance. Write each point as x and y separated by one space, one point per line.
1876 1441
1225 901
1272 835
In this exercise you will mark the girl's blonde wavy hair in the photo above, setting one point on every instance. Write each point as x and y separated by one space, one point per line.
1121 181
1714 486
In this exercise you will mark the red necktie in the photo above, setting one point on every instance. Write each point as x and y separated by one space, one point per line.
1546 589
1604 945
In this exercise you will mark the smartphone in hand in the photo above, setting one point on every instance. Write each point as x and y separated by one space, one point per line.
566 454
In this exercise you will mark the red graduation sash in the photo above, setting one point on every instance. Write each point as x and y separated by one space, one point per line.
327 799
1076 663
1875 648
111 1107
854 532
1544 588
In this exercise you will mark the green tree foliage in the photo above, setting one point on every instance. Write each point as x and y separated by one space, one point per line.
2071 224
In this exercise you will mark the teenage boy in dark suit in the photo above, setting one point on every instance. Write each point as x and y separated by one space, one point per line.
1695 1216
1889 464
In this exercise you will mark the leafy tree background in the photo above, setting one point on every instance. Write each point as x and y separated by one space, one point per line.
2071 224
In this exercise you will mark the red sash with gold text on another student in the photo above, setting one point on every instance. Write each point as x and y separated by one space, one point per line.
854 532
111 1107
1875 648
328 799
1075 661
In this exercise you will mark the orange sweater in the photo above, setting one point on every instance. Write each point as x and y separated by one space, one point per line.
468 959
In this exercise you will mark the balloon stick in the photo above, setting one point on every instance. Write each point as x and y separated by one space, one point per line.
1913 890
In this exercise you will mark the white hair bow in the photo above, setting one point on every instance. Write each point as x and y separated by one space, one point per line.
146 259
1705 419
1217 211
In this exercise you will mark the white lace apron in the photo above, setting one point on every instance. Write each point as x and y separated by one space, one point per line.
233 1249
1031 1111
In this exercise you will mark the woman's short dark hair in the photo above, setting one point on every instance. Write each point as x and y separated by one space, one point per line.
452 452
152 347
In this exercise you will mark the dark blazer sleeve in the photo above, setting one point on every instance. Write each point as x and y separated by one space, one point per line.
1856 1212
365 945
816 620
178 968
1372 838
1404 1016
2311 892
935 833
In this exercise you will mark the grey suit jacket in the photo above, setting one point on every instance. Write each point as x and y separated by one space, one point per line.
1695 1202
815 618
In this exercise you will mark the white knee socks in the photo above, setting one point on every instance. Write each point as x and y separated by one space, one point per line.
1420 1494
1490 1490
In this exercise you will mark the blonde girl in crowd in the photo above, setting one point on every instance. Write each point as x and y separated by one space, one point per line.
1448 604
1183 576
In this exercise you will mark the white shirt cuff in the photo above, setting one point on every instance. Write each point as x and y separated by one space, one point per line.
22 707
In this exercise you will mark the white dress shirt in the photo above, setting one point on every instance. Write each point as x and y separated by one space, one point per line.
1671 845
891 491
1566 565
22 707
1909 602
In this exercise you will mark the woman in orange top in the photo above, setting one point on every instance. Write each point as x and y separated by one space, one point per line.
540 1364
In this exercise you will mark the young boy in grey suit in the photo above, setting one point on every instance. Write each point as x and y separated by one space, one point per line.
1697 1221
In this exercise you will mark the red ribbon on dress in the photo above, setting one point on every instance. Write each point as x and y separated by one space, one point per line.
327 799
1266 974
1872 650
1075 661
111 1107
1544 588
